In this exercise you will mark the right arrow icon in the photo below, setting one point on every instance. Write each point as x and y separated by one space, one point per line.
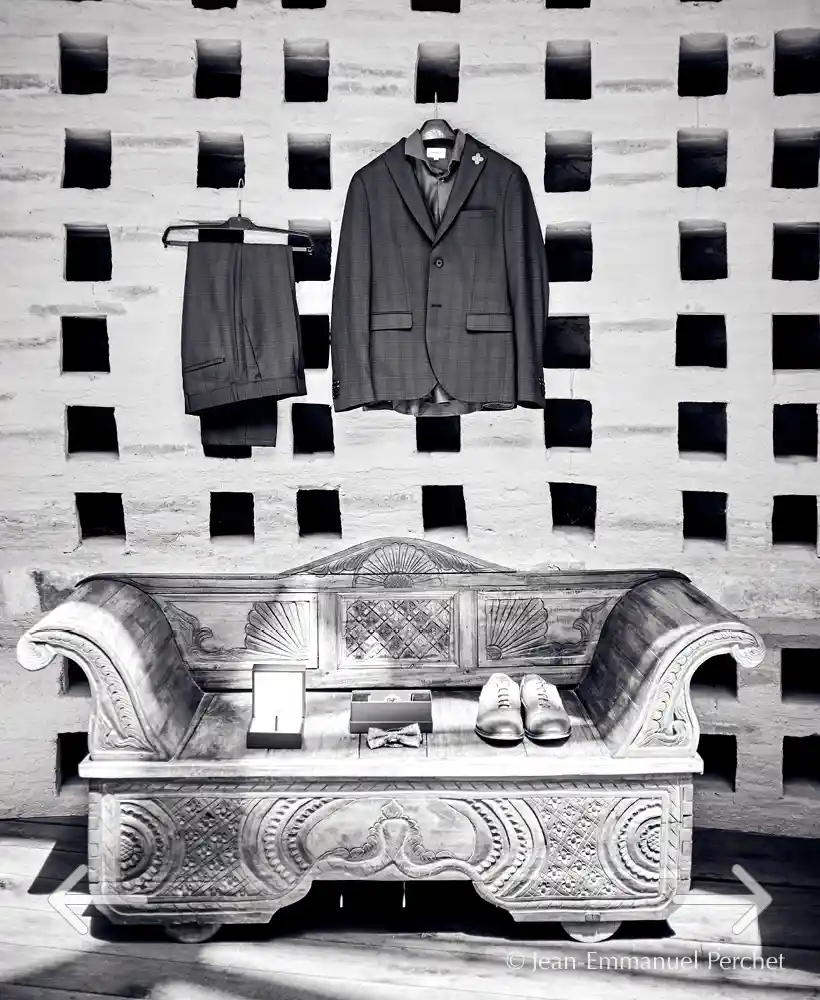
760 896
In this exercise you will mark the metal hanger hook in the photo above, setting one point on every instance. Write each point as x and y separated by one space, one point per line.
435 103
239 187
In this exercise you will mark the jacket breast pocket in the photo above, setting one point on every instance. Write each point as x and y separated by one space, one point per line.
489 322
391 321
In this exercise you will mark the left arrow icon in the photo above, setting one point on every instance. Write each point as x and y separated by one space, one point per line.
62 899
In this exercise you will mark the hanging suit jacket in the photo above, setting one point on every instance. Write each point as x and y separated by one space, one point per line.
462 305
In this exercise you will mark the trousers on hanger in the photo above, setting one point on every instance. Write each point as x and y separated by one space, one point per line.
241 348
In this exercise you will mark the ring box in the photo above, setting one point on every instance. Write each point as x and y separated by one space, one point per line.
391 710
278 719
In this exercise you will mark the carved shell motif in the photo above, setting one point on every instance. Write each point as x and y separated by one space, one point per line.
279 628
397 565
515 627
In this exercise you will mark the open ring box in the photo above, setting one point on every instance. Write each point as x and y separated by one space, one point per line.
278 719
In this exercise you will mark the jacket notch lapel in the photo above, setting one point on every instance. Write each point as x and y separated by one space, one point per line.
469 169
405 180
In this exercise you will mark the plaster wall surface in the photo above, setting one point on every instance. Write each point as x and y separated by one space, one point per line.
633 209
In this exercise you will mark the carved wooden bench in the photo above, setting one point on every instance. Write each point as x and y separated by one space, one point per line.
190 829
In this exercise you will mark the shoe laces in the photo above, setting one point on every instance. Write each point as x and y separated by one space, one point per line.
542 693
503 697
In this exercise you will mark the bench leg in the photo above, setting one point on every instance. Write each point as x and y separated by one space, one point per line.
190 932
590 933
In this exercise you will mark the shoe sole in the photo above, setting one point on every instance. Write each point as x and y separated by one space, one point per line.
547 737
499 739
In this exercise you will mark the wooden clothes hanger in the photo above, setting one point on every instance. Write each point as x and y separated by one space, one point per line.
235 222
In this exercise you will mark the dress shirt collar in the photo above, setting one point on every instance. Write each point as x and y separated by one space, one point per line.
414 147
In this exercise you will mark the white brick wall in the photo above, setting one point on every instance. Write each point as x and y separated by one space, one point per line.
634 207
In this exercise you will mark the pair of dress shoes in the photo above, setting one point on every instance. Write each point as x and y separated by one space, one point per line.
507 712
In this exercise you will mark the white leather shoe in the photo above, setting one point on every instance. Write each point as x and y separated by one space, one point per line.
545 717
499 710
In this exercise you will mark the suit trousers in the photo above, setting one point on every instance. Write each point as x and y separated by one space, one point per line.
241 347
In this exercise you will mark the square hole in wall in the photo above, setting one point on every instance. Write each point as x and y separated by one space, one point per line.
700 340
569 253
702 427
566 343
214 4
87 159
312 428
438 434
703 253
309 162
314 332
303 4
568 161
567 4
220 160
800 674
307 68
232 515
704 515
312 266
797 61
702 155
91 429
568 423
318 513
235 451
794 430
794 520
444 6
795 158
218 68
568 71
443 507
703 65
83 64
84 344
796 251
437 71
801 764
573 505
795 342
719 755
71 749
717 675
100 515
87 253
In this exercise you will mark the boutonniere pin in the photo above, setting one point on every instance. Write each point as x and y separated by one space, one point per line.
477 158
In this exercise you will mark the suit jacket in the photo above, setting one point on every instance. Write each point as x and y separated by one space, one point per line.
464 305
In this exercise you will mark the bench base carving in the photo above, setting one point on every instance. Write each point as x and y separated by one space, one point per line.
192 856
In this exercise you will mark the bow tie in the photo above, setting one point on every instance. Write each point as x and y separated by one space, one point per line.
409 736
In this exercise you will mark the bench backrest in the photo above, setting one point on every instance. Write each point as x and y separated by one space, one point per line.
395 612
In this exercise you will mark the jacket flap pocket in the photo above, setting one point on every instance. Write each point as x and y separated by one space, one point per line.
391 321
490 322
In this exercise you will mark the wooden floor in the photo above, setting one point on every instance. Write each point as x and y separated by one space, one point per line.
444 942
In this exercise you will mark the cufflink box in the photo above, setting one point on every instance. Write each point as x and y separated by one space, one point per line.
278 717
391 710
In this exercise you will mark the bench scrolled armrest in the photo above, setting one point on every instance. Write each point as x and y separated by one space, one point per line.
636 690
143 696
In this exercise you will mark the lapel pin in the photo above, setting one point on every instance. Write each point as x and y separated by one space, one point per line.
477 158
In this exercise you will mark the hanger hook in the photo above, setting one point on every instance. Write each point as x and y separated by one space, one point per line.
435 100
239 187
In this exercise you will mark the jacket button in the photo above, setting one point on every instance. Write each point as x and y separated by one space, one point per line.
438 262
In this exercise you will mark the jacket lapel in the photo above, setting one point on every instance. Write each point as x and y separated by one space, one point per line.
471 165
402 173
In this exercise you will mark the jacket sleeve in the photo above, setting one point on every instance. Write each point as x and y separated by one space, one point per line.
350 310
526 260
